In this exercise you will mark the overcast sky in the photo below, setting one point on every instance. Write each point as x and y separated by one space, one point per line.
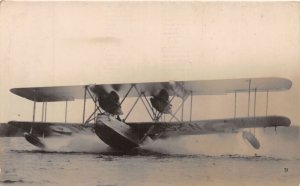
70 43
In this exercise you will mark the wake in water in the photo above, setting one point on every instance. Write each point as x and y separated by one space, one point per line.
145 153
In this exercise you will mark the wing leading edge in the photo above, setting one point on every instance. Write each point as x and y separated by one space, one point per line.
209 126
177 88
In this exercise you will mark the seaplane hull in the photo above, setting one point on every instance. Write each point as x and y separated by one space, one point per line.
115 133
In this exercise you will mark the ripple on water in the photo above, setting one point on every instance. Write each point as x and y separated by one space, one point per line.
109 154
12 181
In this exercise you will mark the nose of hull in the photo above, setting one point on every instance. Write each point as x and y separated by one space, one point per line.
115 133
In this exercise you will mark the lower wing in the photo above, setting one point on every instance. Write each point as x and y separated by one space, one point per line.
51 128
159 129
168 129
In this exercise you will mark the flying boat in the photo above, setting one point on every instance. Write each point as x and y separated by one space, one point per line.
109 122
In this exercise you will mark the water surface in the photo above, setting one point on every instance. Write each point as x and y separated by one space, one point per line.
87 161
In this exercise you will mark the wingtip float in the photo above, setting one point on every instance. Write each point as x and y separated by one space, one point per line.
34 140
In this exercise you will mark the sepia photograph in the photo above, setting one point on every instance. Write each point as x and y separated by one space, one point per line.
155 93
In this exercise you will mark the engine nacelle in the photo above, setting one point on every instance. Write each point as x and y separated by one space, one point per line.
110 103
161 102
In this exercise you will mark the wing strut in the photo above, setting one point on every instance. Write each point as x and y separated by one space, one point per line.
191 106
137 99
267 102
254 109
127 94
149 106
66 111
33 114
140 96
34 106
44 112
84 103
235 96
96 107
179 107
249 98
182 109
45 116
43 108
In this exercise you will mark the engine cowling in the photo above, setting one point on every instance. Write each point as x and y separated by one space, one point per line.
161 102
110 103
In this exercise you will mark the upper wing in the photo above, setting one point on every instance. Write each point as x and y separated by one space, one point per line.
48 94
208 126
177 88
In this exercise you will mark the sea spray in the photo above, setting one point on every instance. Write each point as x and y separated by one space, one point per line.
75 143
275 144
217 144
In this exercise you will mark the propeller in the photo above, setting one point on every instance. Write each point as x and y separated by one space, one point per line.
108 101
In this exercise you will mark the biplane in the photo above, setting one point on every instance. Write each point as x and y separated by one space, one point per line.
109 122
